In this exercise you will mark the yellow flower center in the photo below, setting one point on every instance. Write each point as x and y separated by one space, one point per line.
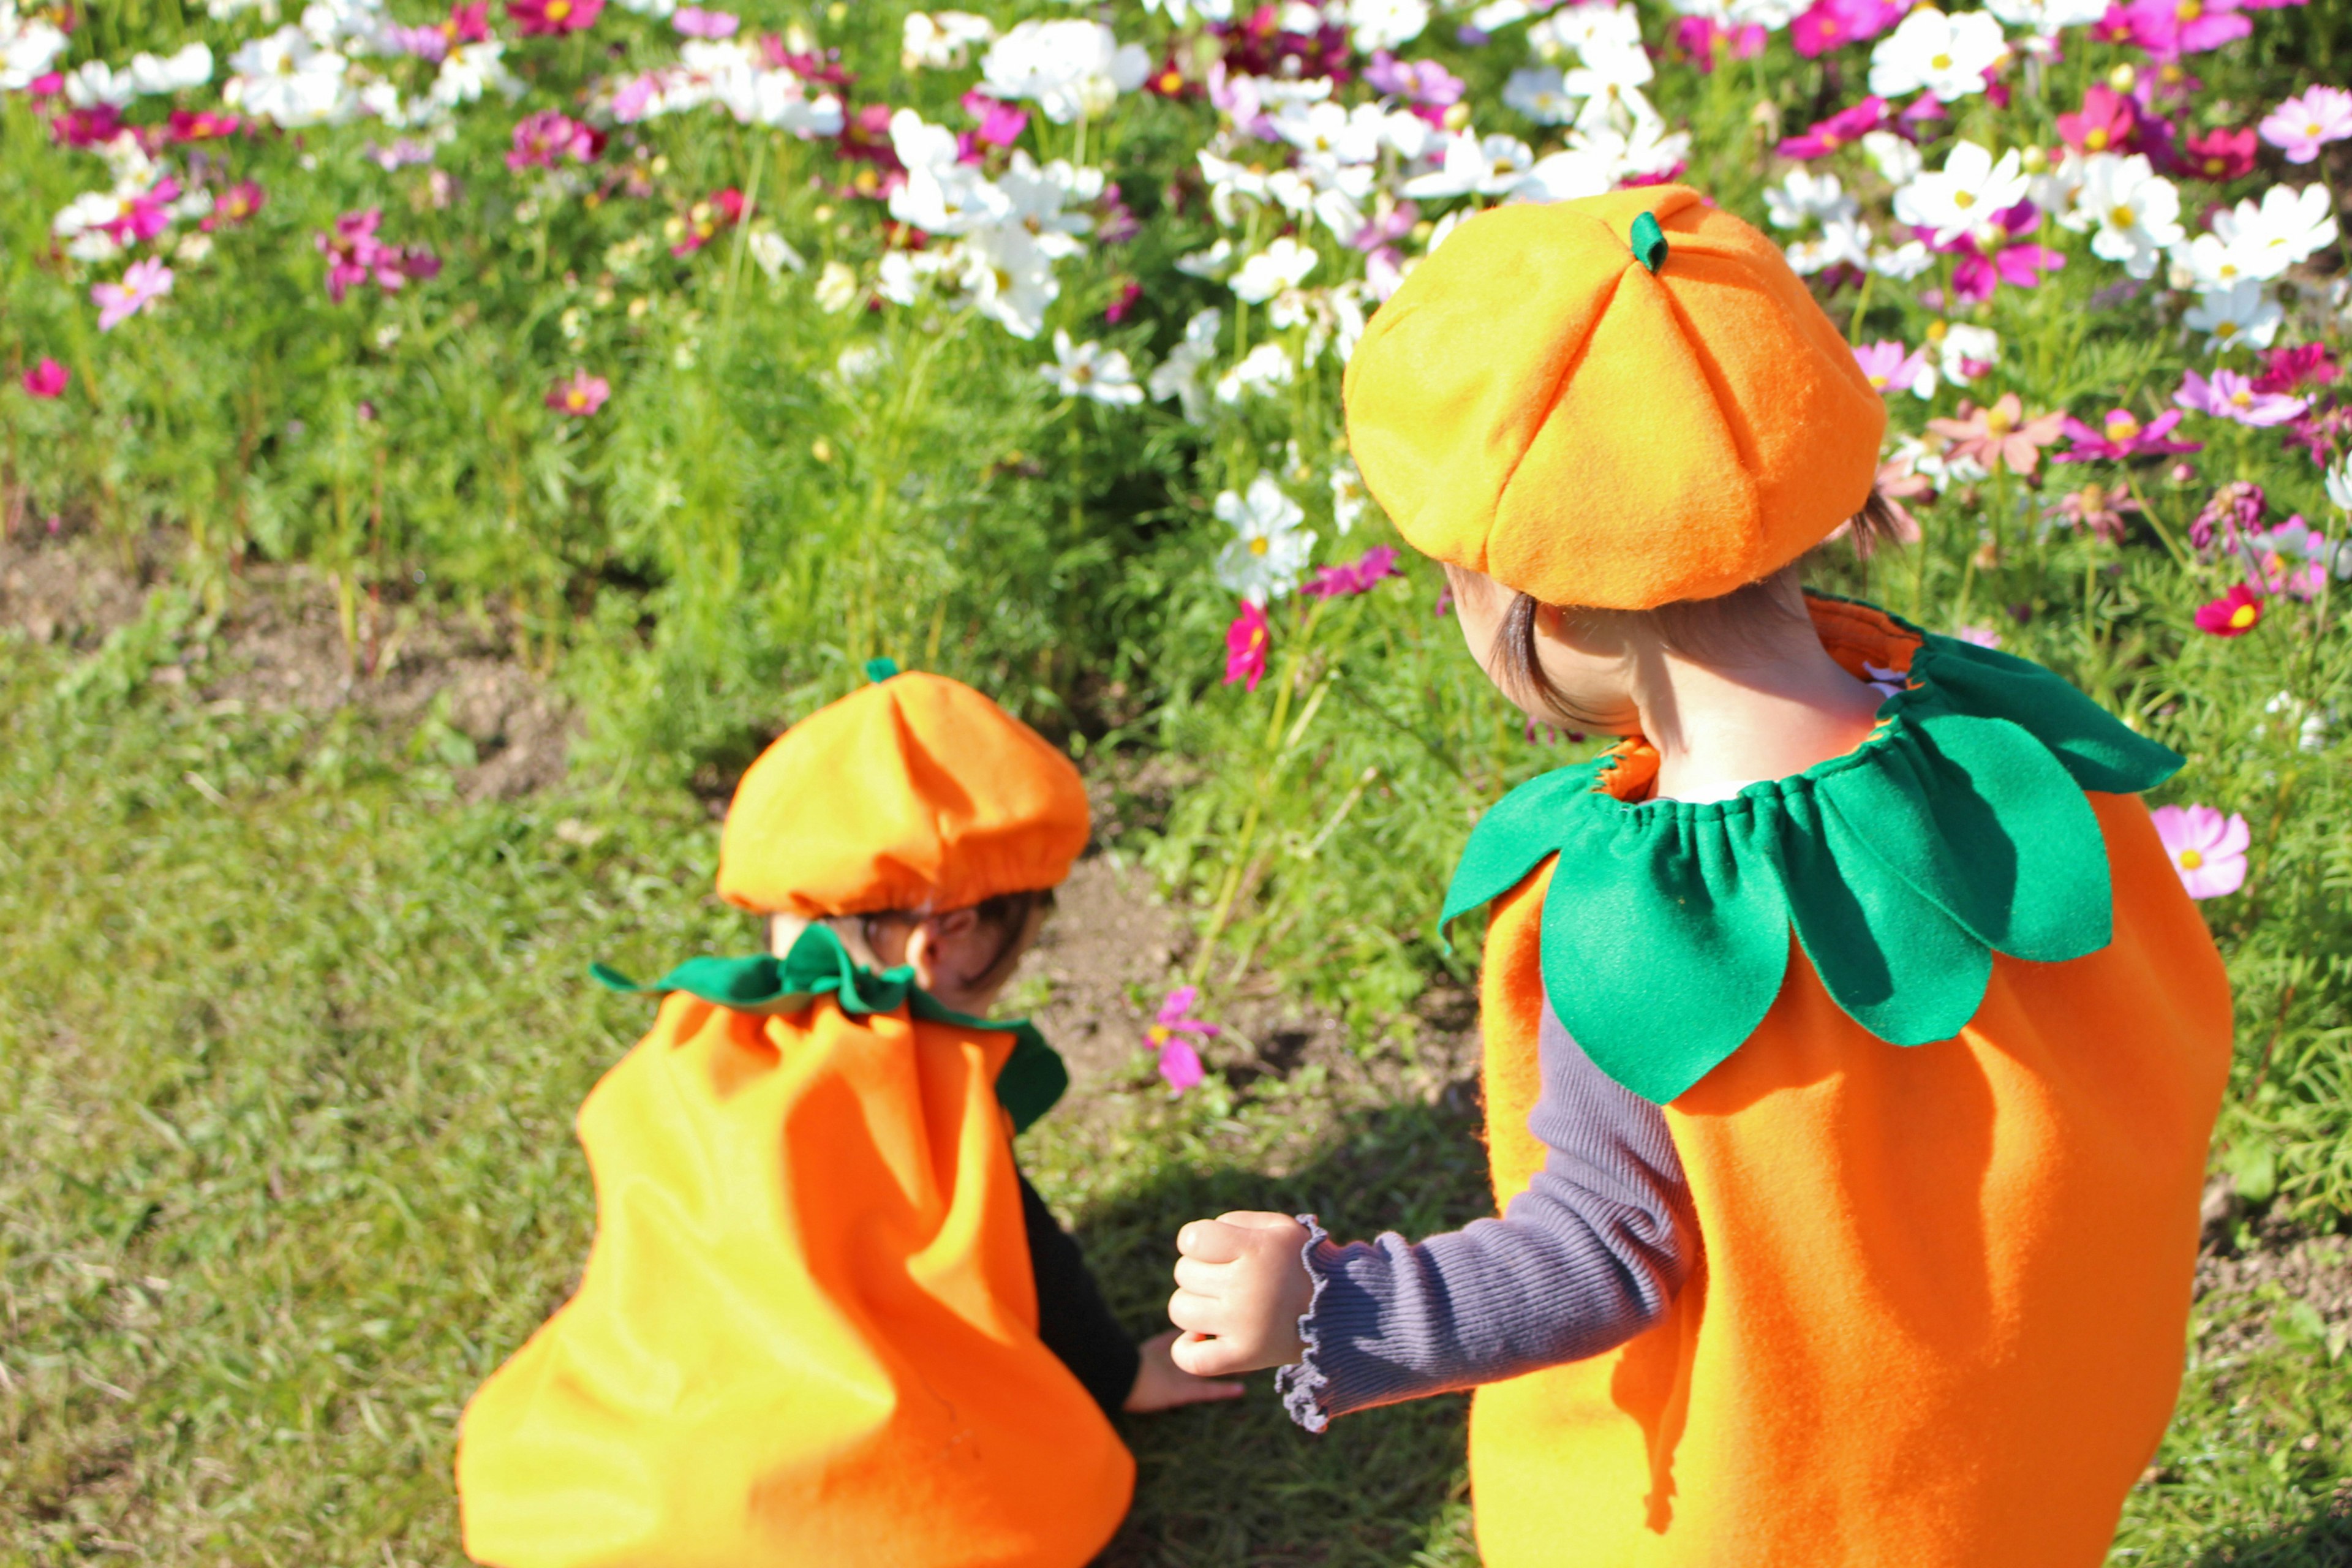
2122 426
2226 329
2242 398
2244 615
1964 200
2190 859
2096 140
1157 1034
576 399
1878 384
1997 422
2189 10
1260 545
1936 331
2214 165
1942 62
558 9
2122 216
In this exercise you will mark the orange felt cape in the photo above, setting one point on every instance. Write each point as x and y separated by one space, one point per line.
1940 1317
807 1330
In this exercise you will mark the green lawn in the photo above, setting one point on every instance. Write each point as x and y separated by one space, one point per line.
289 1044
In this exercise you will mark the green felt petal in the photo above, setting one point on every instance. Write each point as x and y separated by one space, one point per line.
1673 911
1959 830
1031 1080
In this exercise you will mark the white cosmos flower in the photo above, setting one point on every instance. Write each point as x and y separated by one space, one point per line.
1068 68
2212 263
773 253
904 275
1326 133
1350 496
2339 485
1178 376
1038 198
2058 190
836 288
1606 104
2288 227
94 82
1943 55
1090 370
1386 23
1011 280
1904 262
1206 263
1896 157
1961 349
184 69
1965 194
2242 313
1540 92
1732 14
2047 18
2135 210
1269 550
1843 240
1285 264
1568 175
27 51
940 40
1261 369
290 80
1490 166
471 69
1181 11
1803 197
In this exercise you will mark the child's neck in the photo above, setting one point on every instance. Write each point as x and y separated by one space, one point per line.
1718 727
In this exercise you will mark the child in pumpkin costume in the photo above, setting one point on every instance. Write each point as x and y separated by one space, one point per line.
825 1318
1850 1045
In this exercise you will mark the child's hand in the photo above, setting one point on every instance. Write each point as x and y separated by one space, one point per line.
1161 1384
1240 1287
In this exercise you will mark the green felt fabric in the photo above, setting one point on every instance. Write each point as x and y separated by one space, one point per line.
1648 242
1031 1080
1958 830
880 669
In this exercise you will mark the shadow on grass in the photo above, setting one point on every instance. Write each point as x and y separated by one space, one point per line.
2325 1541
1240 1484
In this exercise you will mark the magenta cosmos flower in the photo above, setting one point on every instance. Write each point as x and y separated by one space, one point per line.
542 139
538 18
1843 129
2233 615
2121 436
47 379
2206 849
1832 23
1996 253
2221 154
1357 577
694 22
354 255
580 394
2230 396
2108 121
144 282
2304 124
1178 1063
1245 644
2170 29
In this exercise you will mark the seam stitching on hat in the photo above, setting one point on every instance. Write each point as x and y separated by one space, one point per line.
1573 358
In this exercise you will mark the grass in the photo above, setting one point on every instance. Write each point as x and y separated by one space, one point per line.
290 1043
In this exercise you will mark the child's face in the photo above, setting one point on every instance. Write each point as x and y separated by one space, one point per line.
1592 670
956 956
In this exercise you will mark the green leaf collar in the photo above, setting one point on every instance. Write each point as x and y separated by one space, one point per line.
1957 830
1031 1081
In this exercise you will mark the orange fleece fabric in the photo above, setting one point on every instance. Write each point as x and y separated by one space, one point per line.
1941 1314
1536 404
808 1331
916 792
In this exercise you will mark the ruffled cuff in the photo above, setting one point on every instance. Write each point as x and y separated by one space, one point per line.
1303 1383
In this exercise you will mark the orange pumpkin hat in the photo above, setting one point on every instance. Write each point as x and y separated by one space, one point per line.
915 792
1619 402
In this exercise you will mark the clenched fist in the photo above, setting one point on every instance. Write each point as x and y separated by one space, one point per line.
1241 1286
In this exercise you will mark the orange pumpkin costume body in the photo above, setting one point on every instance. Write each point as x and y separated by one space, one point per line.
807 1329
1936 1035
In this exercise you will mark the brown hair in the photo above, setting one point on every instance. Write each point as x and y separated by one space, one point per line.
1716 628
1005 913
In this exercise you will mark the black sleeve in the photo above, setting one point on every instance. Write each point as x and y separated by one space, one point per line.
1072 1317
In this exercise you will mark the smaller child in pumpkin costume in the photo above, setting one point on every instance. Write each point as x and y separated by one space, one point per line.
1851 1048
825 1318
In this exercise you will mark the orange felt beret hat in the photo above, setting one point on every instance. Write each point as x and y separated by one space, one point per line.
1538 404
914 792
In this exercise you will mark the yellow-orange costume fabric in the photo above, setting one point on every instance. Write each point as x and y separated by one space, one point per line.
1941 1318
806 1336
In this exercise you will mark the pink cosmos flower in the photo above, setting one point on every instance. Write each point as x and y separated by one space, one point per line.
580 395
1979 636
1424 82
47 379
2099 508
539 18
430 45
2170 29
2219 156
1702 39
1843 129
2230 513
1833 24
2304 124
1180 1064
1357 577
705 220
2000 435
542 139
1993 255
143 217
2233 615
694 22
1123 301
2292 369
354 255
201 125
2230 396
48 84
1115 221
2121 436
93 127
234 206
2108 121
2206 849
1892 365
1246 640
144 282
1000 124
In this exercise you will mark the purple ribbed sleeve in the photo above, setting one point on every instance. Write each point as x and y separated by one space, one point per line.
1587 1258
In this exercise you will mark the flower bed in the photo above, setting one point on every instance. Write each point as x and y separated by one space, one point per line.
728 351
